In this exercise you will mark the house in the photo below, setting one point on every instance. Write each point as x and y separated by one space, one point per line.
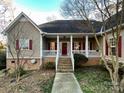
56 41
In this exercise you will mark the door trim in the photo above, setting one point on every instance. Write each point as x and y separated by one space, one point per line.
64 48
68 51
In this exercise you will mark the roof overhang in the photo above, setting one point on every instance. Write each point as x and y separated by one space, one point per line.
109 30
72 34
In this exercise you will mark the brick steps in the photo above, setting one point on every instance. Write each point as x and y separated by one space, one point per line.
65 70
65 65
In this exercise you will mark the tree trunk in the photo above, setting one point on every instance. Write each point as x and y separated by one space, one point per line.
116 84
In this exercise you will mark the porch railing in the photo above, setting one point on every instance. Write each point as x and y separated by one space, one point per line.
91 53
49 52
79 51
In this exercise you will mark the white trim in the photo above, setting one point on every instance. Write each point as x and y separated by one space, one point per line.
24 57
17 18
57 56
71 40
72 57
58 42
86 45
41 49
49 56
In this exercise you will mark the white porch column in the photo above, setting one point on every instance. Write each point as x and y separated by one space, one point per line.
57 55
86 45
41 49
58 43
71 40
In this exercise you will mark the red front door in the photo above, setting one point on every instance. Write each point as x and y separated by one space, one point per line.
64 48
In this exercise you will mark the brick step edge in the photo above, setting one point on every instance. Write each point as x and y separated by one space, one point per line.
64 70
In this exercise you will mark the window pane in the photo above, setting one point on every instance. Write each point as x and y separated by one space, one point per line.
76 46
24 43
52 45
112 46
113 50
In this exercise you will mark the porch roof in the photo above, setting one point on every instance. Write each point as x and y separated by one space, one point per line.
70 26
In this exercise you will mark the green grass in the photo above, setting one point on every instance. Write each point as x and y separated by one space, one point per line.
94 80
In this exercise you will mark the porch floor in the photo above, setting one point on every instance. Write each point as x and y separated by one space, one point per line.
66 83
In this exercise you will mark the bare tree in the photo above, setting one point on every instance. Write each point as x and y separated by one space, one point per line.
6 15
81 9
51 18
18 46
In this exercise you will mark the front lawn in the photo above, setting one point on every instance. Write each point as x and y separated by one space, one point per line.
31 82
94 80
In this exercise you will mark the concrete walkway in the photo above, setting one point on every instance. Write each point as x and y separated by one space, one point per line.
66 83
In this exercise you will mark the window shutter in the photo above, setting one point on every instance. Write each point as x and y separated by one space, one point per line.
119 46
73 46
30 44
106 48
55 45
83 45
91 44
80 46
17 44
48 45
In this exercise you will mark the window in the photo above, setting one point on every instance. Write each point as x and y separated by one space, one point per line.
52 46
112 46
77 46
24 43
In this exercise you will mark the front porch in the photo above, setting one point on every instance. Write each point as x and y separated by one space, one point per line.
85 45
65 46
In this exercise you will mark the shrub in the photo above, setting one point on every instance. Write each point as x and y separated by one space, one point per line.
80 58
49 65
17 71
2 59
121 72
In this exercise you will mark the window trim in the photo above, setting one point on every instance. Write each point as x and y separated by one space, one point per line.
112 45
20 47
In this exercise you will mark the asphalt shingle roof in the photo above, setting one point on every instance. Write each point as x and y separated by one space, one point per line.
114 20
70 26
79 26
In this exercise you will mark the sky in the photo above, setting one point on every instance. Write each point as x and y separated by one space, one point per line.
41 5
39 10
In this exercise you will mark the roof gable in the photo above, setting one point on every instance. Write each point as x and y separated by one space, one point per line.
21 17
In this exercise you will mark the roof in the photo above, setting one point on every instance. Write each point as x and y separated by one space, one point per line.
114 20
17 19
70 26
